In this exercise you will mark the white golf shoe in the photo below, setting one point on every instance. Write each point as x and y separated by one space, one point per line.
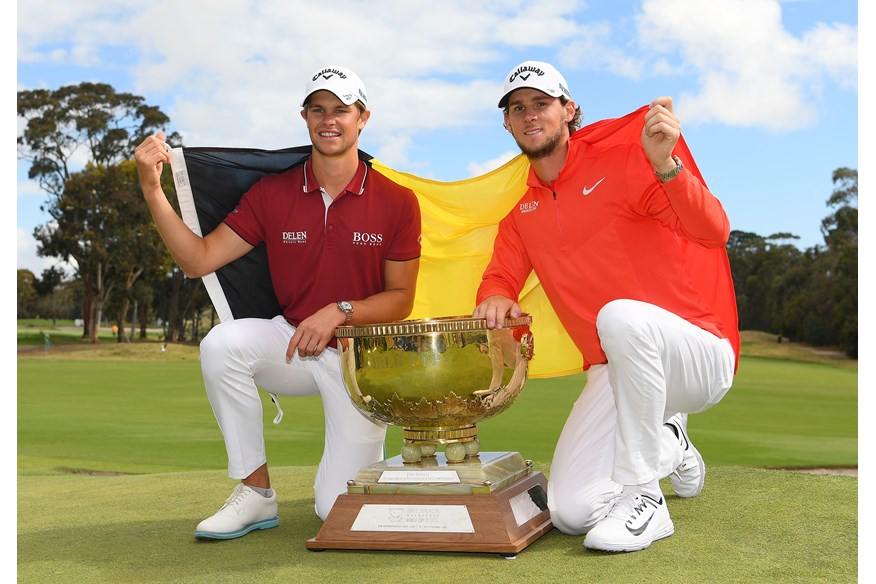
244 511
690 476
633 523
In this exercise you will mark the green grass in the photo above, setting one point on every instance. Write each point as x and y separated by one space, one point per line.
133 408
32 331
749 525
760 344
119 457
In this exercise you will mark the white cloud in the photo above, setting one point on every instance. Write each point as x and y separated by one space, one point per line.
595 49
393 153
479 168
29 188
750 70
835 49
243 86
27 258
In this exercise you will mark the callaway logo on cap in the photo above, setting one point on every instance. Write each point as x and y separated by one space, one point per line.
339 80
537 75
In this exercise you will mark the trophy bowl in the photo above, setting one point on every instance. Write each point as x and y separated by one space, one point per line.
436 377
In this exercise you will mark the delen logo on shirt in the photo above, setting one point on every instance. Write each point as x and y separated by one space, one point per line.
294 237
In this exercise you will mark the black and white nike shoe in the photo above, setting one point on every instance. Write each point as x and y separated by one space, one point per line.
690 476
633 523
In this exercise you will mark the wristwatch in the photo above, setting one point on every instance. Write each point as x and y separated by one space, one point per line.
347 309
668 176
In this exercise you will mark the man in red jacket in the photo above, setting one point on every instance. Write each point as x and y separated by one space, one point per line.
628 243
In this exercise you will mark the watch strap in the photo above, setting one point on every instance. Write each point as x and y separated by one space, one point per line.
347 308
668 176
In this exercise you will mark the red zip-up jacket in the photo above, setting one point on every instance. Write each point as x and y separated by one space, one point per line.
608 229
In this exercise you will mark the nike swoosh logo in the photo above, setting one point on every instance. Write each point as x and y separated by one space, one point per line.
641 529
681 435
591 189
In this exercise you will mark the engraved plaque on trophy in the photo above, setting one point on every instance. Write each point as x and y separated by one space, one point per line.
437 378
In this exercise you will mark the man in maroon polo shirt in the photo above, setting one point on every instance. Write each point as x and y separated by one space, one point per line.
343 247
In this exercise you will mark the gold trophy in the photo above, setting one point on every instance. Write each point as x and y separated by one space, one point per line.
437 378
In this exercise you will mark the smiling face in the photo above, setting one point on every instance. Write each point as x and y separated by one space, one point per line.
333 126
538 122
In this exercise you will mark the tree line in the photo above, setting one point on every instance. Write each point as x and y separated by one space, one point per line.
810 295
123 272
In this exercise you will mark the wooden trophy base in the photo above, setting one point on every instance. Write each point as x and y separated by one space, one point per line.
503 522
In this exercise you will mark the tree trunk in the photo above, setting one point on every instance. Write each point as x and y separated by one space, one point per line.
101 295
87 308
133 316
144 314
123 316
95 322
196 325
173 309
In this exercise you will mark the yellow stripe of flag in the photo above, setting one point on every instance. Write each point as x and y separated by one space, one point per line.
460 220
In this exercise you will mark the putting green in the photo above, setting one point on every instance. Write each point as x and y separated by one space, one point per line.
747 526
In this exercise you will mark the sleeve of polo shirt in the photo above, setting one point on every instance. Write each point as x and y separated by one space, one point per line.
683 204
246 218
406 245
509 266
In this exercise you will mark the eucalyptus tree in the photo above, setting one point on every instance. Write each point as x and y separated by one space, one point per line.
840 230
66 134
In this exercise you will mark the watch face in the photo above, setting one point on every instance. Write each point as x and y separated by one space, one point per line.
346 306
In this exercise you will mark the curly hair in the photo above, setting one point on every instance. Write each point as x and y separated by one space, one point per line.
575 122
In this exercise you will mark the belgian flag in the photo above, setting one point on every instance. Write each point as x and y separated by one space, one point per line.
459 223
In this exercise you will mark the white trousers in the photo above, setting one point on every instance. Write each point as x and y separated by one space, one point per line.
658 365
238 355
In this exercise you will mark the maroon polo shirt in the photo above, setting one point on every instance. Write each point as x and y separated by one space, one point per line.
318 255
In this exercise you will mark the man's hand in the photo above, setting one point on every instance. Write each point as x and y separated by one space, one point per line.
660 134
151 155
315 332
495 309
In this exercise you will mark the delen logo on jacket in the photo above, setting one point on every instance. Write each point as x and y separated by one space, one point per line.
528 207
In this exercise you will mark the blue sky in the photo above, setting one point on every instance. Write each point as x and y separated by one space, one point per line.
767 90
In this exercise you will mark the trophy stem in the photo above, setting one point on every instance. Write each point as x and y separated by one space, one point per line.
459 443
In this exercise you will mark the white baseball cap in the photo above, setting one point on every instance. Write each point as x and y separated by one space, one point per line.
537 75
339 80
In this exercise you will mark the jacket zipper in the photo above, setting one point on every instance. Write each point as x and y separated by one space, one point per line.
559 223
